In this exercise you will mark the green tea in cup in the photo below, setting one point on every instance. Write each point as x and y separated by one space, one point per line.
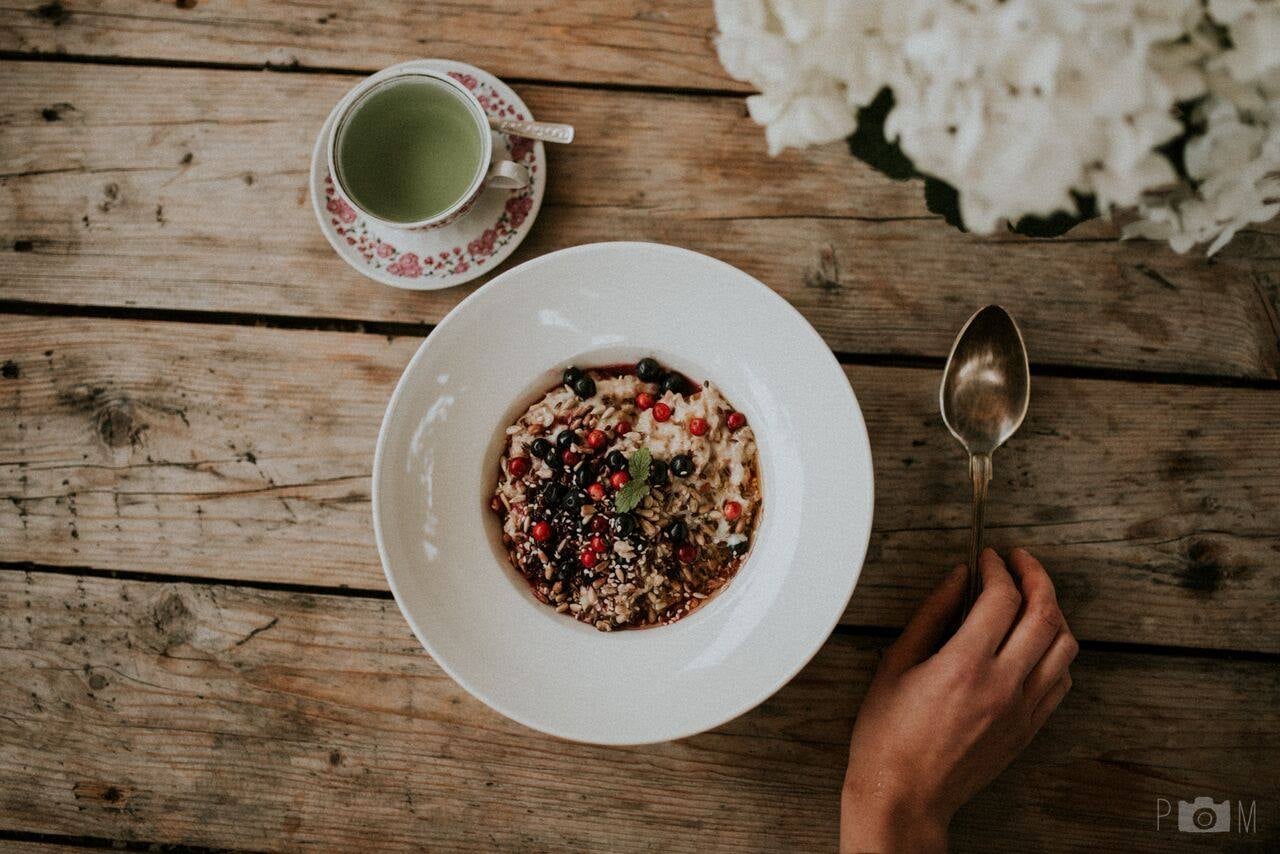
413 149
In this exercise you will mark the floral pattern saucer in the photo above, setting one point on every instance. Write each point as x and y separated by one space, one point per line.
452 254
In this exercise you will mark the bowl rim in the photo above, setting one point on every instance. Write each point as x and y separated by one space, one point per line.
858 557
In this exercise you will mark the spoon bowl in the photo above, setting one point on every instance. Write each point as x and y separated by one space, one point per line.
986 389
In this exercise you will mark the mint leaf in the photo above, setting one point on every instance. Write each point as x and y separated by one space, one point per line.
630 496
639 464
634 490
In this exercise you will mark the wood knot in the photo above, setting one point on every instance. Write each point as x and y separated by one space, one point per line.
826 275
167 623
103 794
55 13
54 112
117 425
1205 570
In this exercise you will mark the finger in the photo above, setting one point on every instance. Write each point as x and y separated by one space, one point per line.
992 615
1049 702
1052 666
928 625
1040 621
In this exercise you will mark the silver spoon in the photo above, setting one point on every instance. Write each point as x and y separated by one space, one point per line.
545 131
986 388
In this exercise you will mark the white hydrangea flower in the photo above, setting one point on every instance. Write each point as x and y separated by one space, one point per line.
1023 105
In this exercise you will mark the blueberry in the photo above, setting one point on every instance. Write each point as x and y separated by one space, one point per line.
584 387
585 475
616 460
566 439
648 370
673 383
541 448
571 376
625 526
676 531
681 465
572 500
554 494
658 473
739 549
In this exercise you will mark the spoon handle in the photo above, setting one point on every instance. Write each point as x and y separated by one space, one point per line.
980 471
545 131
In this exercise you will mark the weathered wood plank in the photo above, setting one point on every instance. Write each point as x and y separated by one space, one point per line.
171 447
216 715
594 41
187 189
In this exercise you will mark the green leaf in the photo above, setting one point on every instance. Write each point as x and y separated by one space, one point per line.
639 464
630 496
868 143
941 198
634 490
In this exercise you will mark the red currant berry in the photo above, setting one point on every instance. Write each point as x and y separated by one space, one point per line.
622 428
687 553
736 420
587 558
644 400
598 524
698 426
598 544
732 510
661 412
541 531
596 491
570 458
619 479
597 439
518 466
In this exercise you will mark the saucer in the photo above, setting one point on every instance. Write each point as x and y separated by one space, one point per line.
430 259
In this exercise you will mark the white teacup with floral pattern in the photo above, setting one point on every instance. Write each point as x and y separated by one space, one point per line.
491 172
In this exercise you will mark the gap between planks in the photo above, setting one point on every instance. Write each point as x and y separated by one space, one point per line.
342 591
393 329
297 68
30 842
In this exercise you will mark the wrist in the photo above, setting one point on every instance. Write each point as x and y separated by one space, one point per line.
877 818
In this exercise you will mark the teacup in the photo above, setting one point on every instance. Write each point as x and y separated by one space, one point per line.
412 148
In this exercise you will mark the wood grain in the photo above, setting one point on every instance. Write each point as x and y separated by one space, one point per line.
244 453
629 42
223 716
186 189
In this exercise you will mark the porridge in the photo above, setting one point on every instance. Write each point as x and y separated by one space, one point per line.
628 495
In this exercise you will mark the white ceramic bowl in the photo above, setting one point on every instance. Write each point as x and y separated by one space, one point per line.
436 464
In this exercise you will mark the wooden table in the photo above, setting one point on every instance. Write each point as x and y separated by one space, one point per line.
197 645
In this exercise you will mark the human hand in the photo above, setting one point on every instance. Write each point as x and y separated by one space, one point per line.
936 727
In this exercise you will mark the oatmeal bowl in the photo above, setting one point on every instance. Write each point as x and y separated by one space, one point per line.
622 493
628 494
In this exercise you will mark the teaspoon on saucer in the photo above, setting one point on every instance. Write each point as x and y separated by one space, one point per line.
545 131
